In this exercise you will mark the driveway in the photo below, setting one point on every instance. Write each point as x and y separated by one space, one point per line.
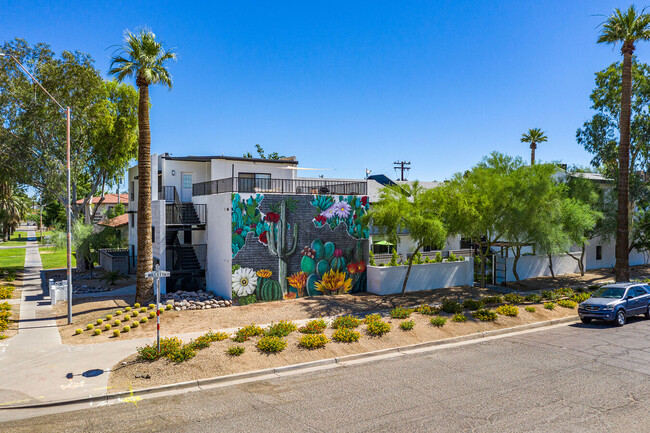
569 378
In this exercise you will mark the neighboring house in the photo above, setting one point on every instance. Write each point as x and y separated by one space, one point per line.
101 204
212 212
120 222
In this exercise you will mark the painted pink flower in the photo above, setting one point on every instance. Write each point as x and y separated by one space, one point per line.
364 200
338 253
320 219
263 238
239 231
272 217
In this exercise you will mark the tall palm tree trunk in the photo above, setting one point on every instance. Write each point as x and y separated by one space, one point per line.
622 267
533 146
144 286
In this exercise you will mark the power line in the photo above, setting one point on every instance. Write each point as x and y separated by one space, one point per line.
401 167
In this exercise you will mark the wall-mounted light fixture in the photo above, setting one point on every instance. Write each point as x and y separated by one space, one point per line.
173 172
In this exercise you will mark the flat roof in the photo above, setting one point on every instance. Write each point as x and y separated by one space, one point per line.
289 160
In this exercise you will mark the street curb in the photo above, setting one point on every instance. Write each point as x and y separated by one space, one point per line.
232 378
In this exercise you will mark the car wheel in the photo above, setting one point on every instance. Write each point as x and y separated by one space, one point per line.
620 318
647 313
585 320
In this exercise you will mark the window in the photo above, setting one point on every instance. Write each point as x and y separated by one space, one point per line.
132 219
132 191
599 252
153 234
187 181
639 291
254 182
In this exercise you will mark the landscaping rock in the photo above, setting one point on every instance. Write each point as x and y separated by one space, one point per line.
196 300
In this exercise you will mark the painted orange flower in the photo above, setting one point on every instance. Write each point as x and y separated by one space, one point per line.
298 281
352 268
264 273
334 283
290 295
361 266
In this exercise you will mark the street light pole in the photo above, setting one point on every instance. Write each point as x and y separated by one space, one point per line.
68 204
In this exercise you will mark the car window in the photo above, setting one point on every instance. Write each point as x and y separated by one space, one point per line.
640 291
646 288
609 292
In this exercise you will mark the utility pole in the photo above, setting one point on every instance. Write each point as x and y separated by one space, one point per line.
401 167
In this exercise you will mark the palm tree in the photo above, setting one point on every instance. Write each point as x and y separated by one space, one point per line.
13 209
143 58
533 136
625 27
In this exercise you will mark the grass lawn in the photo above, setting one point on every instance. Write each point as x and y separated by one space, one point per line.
18 239
53 259
12 258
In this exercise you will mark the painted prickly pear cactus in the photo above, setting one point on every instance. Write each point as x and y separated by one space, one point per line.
246 218
349 210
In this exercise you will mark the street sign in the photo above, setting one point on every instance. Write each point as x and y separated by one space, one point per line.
157 274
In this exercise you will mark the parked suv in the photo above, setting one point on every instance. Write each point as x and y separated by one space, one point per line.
616 302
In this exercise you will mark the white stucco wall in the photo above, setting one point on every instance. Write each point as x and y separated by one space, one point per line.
200 172
222 168
608 257
537 266
219 253
384 280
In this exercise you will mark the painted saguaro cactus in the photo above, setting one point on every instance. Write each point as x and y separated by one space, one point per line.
279 244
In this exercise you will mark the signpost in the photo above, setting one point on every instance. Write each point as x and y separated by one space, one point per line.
156 275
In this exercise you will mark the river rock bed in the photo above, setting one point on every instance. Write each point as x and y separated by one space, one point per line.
200 300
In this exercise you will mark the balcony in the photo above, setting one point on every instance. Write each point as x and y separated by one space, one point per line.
280 186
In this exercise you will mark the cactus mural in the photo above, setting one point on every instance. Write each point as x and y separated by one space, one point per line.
297 253
279 244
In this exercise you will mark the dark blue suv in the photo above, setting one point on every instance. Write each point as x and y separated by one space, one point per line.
616 302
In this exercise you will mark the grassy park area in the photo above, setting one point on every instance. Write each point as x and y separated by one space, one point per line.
52 258
12 258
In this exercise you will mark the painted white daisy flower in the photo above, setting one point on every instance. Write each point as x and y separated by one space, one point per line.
244 281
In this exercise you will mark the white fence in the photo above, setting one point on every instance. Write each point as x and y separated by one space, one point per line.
386 280
535 266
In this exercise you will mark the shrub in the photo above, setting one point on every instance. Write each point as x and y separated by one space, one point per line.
400 313
346 335
135 324
566 303
508 310
313 341
200 343
377 328
549 305
438 258
161 311
97 331
281 329
144 320
530 309
271 344
90 326
472 304
315 326
143 309
116 333
407 325
485 315
127 328
427 310
127 309
533 297
109 317
549 295
167 346
459 317
345 322
185 352
118 313
438 321
169 307
107 327
152 314
246 300
6 292
564 291
127 317
246 332
451 307
78 331
215 336
99 322
152 306
513 298
136 305
371 318
117 322
581 297
235 350
491 300
135 313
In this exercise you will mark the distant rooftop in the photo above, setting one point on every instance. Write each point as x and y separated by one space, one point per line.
591 176
108 199
287 160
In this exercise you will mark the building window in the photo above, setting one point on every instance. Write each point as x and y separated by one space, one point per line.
132 191
153 234
132 220
599 252
254 182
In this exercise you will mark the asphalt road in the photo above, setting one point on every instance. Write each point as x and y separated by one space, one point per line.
589 378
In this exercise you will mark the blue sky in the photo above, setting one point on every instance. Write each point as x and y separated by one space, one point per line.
353 85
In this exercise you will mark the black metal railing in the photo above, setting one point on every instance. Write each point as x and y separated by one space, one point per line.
280 186
186 257
169 194
185 214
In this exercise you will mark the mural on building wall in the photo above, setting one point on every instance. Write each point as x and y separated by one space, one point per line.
294 246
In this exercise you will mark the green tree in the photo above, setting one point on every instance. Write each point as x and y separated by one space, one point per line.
33 131
625 28
144 58
260 152
13 207
533 137
413 209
